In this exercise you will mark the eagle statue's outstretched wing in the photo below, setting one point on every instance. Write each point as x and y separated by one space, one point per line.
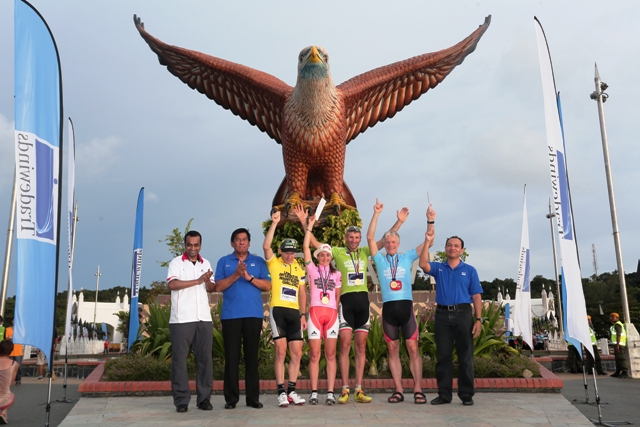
379 94
253 95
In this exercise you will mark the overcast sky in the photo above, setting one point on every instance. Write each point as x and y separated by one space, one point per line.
472 143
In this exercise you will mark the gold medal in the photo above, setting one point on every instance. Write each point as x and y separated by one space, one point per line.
357 282
393 284
325 299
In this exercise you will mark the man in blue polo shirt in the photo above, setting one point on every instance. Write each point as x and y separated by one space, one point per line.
241 277
457 288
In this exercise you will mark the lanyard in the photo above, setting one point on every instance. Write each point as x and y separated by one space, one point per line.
356 261
324 279
393 265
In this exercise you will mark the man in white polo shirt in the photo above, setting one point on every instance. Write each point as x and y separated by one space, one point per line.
190 325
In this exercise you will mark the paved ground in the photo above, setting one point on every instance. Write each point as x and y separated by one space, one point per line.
620 401
619 398
29 408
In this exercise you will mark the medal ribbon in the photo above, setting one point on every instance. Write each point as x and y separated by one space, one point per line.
393 265
324 279
356 261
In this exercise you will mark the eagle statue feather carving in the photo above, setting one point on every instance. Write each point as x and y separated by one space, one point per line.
314 120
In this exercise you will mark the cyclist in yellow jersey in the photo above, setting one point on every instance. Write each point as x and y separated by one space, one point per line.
287 311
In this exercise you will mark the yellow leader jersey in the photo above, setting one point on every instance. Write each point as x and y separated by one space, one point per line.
286 280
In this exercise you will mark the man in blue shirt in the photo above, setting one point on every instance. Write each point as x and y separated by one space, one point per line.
241 277
457 287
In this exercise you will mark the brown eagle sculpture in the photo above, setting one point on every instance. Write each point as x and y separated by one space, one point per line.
315 120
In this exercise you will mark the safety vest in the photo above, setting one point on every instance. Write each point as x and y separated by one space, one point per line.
594 341
623 334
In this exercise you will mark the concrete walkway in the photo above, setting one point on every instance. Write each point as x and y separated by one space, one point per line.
490 409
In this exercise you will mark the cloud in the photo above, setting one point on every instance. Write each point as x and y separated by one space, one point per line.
151 197
96 159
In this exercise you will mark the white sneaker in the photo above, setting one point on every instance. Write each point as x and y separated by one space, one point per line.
313 399
295 399
282 400
331 400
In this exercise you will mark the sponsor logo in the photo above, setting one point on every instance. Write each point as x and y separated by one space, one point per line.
37 188
523 271
135 274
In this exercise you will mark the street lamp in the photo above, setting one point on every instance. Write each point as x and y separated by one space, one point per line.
550 217
95 308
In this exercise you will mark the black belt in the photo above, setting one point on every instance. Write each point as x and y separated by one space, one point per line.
455 307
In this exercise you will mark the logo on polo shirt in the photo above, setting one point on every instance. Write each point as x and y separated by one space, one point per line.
464 273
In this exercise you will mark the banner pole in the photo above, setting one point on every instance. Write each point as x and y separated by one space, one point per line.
7 254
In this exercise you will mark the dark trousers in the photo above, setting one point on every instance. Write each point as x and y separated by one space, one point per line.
454 326
621 359
574 359
18 360
589 363
198 335
234 331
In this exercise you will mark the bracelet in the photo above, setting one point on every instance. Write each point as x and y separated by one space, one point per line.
302 314
309 231
431 222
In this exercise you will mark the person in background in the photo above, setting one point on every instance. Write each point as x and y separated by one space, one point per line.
8 372
16 354
619 342
590 358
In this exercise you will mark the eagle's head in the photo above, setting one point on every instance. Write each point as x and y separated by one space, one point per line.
313 63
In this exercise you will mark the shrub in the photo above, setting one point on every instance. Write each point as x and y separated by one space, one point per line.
135 367
497 365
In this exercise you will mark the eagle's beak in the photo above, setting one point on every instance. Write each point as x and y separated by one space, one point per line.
314 56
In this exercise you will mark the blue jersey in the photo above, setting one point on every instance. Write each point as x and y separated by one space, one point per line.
395 287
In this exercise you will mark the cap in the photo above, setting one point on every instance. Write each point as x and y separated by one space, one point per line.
289 245
588 317
322 248
614 314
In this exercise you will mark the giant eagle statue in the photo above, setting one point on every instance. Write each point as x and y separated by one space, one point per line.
314 120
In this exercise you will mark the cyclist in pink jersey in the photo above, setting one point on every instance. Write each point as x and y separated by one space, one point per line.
324 282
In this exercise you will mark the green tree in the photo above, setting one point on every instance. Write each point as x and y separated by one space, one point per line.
123 317
441 256
158 287
175 242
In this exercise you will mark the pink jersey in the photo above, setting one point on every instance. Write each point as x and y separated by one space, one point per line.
316 275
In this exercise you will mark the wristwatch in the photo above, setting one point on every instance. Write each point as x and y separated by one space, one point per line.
251 280
479 319
302 314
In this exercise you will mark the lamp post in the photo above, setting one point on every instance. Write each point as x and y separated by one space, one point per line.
550 217
95 308
600 97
